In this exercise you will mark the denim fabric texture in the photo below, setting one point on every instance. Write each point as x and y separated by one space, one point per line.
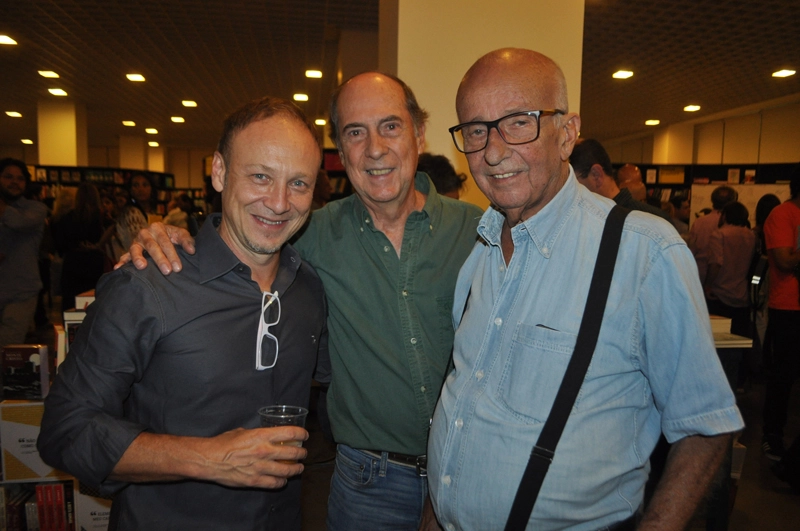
372 493
655 368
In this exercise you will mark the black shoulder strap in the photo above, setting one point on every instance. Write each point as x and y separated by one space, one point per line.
542 453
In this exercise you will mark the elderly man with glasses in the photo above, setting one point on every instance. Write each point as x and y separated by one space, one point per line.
519 302
157 401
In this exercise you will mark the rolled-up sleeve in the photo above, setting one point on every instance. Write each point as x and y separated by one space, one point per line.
84 431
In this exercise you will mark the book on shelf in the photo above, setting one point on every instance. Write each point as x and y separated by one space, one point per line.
26 372
72 321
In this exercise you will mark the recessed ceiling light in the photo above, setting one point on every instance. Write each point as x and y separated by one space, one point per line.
5 39
691 108
14 114
783 73
128 123
151 131
135 77
177 119
300 97
622 74
652 122
316 74
320 121
152 144
57 92
48 74
189 103
27 141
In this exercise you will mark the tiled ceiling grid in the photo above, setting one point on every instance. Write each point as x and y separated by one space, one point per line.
716 53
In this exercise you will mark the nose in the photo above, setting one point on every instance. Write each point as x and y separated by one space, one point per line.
496 149
277 199
376 146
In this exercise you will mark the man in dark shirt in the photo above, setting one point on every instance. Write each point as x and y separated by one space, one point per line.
157 400
592 167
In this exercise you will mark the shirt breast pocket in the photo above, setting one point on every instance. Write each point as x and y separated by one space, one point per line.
533 371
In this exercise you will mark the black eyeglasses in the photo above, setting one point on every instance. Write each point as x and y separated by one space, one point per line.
267 344
517 128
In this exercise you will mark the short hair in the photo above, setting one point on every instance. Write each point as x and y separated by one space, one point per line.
6 162
722 195
441 172
588 152
735 213
764 207
255 111
678 201
794 182
418 115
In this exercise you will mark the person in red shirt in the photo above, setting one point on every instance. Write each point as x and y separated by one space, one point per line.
782 231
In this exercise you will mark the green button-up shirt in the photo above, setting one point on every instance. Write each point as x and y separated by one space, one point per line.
390 326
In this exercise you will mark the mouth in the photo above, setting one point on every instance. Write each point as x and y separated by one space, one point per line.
379 172
503 175
266 221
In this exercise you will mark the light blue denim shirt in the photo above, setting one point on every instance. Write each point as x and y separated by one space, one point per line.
654 369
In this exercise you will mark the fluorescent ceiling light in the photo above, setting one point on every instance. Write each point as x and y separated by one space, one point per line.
177 119
189 103
135 77
48 74
652 122
57 92
691 108
14 114
622 74
152 144
151 131
320 121
316 74
300 97
783 73
5 39
27 141
128 123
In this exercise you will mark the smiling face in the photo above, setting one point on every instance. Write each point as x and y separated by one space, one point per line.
12 183
266 187
518 179
378 144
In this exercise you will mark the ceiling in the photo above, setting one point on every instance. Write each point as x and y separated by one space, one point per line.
716 53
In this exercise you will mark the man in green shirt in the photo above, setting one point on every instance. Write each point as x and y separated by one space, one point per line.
388 258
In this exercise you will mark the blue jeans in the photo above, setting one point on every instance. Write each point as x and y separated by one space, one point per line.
371 493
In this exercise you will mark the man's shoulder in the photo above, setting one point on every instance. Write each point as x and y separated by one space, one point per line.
462 209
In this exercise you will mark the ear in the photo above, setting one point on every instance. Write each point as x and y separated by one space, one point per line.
421 139
218 171
571 129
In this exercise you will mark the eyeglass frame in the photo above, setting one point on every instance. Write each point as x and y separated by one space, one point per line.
495 123
263 329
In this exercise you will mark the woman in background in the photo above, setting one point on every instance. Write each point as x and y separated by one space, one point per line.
133 217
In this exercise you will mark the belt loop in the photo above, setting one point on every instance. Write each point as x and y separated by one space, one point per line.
384 464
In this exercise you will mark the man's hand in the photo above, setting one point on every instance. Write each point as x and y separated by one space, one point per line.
261 458
159 241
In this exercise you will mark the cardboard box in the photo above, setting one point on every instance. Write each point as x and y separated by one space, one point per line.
82 300
26 372
19 429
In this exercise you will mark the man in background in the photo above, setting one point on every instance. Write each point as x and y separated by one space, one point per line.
22 224
592 167
700 233
629 177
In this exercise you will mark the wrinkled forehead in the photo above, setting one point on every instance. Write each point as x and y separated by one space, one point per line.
490 92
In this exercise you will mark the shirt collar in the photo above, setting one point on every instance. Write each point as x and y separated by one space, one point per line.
543 227
217 259
432 208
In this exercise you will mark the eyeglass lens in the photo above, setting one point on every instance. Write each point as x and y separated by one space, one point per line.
515 129
269 350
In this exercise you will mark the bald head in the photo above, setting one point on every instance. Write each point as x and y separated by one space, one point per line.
517 69
630 177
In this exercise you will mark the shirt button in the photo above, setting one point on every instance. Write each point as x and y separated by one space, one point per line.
385 248
413 340
446 481
450 527
366 221
423 388
405 293
545 250
362 229
479 375
502 268
498 321
459 423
